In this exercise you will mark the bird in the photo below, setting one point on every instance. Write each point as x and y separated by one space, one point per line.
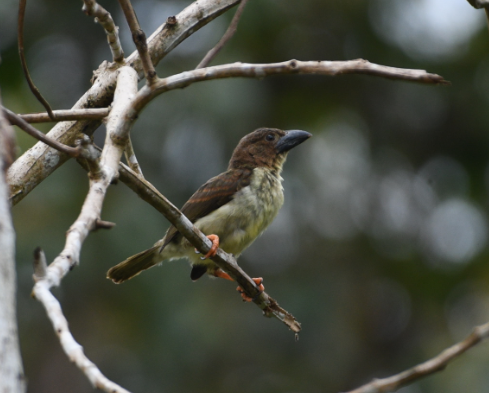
232 209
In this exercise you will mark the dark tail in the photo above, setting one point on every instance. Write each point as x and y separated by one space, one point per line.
134 265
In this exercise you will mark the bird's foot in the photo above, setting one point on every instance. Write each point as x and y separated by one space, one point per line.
215 245
258 281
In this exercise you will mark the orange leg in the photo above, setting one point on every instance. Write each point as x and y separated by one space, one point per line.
215 245
258 281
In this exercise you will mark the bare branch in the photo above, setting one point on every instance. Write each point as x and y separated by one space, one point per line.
101 15
40 161
291 67
139 39
233 27
20 34
73 350
66 115
11 370
100 179
331 68
438 363
131 158
23 125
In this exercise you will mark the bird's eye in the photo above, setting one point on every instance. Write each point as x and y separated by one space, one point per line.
270 137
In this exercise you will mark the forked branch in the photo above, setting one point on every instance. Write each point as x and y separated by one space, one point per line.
29 170
35 133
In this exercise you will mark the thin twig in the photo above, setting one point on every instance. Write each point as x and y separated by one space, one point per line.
438 363
20 34
101 15
66 115
139 38
34 132
233 27
101 176
131 158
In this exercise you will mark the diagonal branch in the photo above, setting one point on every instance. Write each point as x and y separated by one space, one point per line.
40 161
233 27
30 82
102 16
438 363
225 261
131 158
35 133
139 39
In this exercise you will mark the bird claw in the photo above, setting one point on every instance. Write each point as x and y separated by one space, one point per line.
259 282
215 245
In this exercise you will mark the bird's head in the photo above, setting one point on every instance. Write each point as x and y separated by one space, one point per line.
266 147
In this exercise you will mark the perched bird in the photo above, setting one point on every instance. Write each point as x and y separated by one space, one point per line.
232 209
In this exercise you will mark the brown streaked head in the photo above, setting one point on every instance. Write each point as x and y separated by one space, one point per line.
266 147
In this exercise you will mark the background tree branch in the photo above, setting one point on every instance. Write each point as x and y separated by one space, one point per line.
438 363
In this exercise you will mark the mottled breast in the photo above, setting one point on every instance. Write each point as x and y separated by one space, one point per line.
239 222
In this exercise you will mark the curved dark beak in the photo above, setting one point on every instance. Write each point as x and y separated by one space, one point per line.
291 139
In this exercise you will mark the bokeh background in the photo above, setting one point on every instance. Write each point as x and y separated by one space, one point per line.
381 249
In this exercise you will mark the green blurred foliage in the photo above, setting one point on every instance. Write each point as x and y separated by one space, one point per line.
380 249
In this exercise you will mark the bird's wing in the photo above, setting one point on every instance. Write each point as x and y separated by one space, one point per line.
215 193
